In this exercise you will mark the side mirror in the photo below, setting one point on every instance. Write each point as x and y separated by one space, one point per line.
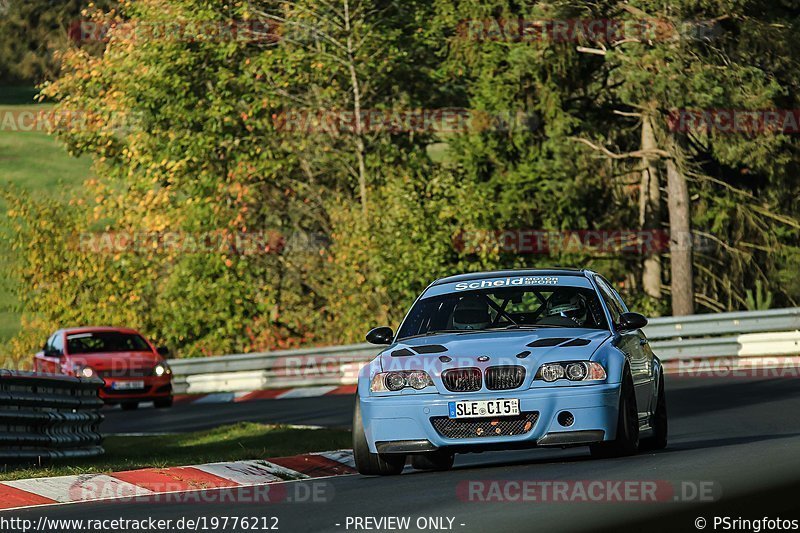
163 351
631 321
381 335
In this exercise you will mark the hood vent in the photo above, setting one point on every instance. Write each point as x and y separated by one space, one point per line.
576 342
402 352
547 343
567 343
430 348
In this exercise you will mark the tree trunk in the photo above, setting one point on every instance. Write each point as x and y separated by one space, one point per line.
650 213
682 286
360 147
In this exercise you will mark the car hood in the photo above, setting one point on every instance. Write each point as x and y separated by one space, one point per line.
492 348
117 360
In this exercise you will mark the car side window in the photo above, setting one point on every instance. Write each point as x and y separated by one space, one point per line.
619 299
613 305
58 344
48 345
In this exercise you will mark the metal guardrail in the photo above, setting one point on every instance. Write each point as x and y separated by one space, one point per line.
724 324
753 333
745 345
45 417
270 370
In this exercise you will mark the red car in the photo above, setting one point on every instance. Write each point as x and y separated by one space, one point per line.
133 369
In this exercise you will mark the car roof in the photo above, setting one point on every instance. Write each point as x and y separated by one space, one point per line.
88 329
515 272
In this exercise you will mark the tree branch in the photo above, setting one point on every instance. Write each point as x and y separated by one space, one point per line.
595 51
637 154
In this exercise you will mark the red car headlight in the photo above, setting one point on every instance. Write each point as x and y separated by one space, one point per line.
84 372
162 369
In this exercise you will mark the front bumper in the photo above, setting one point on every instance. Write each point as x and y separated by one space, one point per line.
154 388
402 423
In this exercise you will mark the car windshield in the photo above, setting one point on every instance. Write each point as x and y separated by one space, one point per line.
105 342
506 308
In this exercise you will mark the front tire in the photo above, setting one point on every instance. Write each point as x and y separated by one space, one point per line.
627 440
658 441
372 464
163 403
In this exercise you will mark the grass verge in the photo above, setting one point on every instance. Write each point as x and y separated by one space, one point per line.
236 442
36 162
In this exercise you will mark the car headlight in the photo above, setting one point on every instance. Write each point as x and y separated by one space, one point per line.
395 381
573 371
161 369
85 372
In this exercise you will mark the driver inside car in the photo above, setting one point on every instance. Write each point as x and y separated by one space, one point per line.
471 313
569 306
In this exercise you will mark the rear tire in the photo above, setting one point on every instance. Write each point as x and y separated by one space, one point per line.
129 406
372 464
163 403
627 440
658 441
438 461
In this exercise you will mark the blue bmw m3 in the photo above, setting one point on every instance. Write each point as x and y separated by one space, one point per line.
504 360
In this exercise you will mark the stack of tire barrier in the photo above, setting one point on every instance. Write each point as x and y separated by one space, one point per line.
45 417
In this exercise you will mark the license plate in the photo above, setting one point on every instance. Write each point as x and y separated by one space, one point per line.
127 385
483 408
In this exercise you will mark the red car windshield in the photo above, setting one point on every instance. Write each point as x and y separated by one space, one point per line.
105 342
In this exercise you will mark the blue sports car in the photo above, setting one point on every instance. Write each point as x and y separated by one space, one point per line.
509 359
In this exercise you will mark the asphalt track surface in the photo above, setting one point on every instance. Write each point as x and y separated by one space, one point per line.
331 411
740 436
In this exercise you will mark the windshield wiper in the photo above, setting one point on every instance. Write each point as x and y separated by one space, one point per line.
527 326
510 326
434 332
